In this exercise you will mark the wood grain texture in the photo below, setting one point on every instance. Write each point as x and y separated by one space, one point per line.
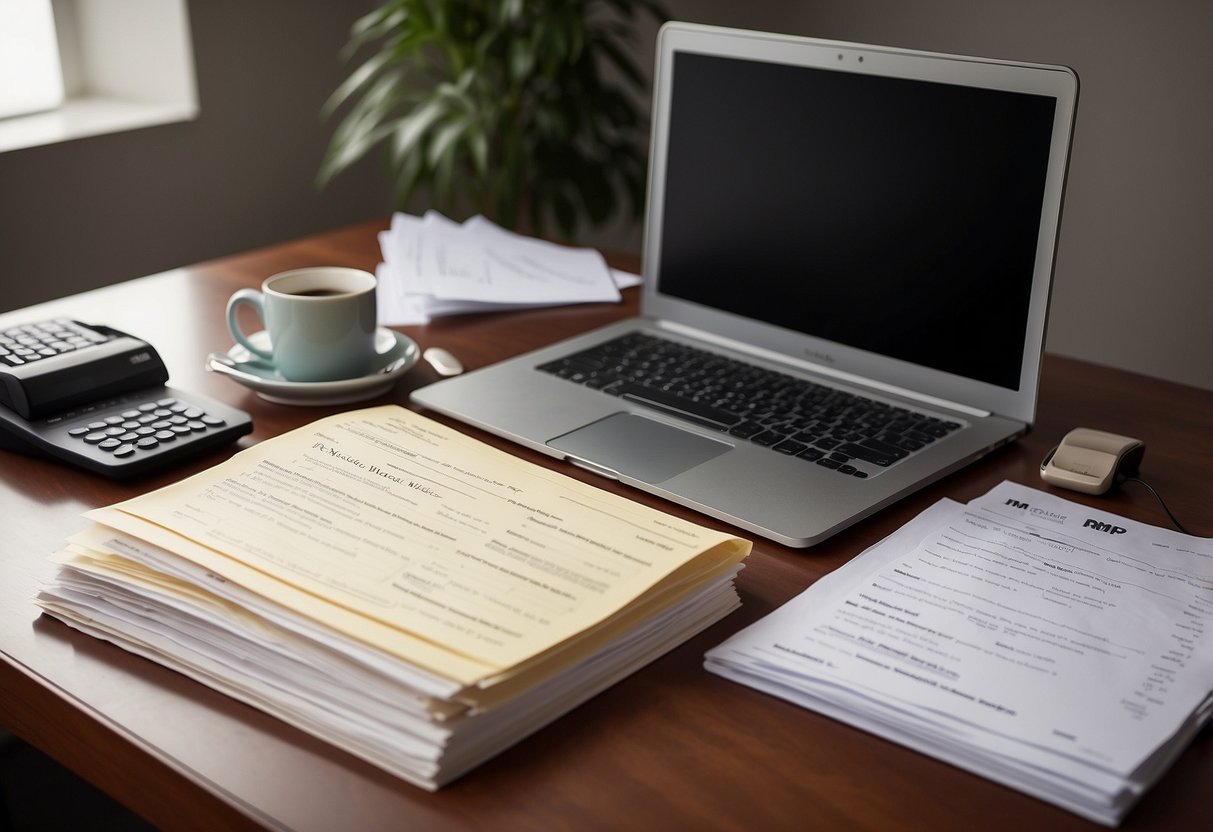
671 747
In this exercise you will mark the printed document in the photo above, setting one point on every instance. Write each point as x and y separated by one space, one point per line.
395 587
433 266
1067 646
405 534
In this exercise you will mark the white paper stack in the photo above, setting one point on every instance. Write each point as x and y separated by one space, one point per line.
433 267
1048 646
387 584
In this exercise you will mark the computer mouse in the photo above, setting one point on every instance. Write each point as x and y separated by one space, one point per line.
442 361
1092 461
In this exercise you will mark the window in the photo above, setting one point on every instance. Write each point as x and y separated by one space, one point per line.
30 77
122 64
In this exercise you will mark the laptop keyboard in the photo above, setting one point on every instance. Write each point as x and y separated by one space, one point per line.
789 415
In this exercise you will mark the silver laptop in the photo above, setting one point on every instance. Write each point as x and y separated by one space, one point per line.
848 253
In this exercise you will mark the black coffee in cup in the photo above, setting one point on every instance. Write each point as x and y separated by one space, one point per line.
317 293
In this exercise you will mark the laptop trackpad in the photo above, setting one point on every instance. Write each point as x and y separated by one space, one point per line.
641 448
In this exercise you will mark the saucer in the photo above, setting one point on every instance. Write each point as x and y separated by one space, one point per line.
394 355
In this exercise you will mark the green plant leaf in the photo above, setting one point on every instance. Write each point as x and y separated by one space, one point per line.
410 130
523 108
445 139
357 79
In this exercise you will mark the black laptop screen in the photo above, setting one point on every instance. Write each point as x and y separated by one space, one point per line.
894 216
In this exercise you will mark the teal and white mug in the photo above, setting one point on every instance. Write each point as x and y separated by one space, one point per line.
320 322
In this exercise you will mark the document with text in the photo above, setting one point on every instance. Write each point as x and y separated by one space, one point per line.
433 266
1050 645
394 586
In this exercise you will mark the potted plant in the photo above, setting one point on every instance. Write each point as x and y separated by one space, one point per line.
523 110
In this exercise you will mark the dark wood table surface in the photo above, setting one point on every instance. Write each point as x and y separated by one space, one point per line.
671 747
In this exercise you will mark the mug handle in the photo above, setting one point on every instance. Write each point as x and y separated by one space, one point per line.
254 299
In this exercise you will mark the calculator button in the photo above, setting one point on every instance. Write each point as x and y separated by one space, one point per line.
131 424
213 421
147 407
180 430
166 401
129 437
80 431
147 442
178 407
94 437
192 413
196 425
110 444
161 424
113 420
144 431
130 414
162 412
114 431
124 450
165 435
97 426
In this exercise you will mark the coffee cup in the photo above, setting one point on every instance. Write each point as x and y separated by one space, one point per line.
320 322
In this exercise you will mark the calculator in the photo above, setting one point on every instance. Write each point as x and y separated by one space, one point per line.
95 397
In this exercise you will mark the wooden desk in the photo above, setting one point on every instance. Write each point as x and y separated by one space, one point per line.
672 747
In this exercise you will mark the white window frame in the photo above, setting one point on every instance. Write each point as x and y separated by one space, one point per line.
125 64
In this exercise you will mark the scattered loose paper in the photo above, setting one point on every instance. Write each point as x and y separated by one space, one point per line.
433 266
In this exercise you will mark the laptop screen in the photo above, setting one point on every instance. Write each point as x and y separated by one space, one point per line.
895 216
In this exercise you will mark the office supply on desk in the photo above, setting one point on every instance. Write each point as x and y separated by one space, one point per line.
1095 462
444 363
867 225
1092 461
411 595
1055 648
433 267
94 397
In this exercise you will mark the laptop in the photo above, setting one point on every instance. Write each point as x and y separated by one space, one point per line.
868 232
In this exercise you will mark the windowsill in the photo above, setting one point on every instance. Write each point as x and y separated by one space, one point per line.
81 117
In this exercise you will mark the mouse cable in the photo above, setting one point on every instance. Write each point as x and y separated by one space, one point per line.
1160 501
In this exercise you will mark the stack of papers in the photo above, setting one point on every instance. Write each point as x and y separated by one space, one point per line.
1048 646
387 584
433 266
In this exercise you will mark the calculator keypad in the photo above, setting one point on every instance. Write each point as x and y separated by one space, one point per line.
33 342
145 426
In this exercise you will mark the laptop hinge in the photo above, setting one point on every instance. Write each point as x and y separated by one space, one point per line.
818 369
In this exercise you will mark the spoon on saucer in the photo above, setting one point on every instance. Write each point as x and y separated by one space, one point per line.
225 364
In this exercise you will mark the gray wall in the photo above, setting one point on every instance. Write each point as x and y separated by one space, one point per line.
101 209
1134 284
